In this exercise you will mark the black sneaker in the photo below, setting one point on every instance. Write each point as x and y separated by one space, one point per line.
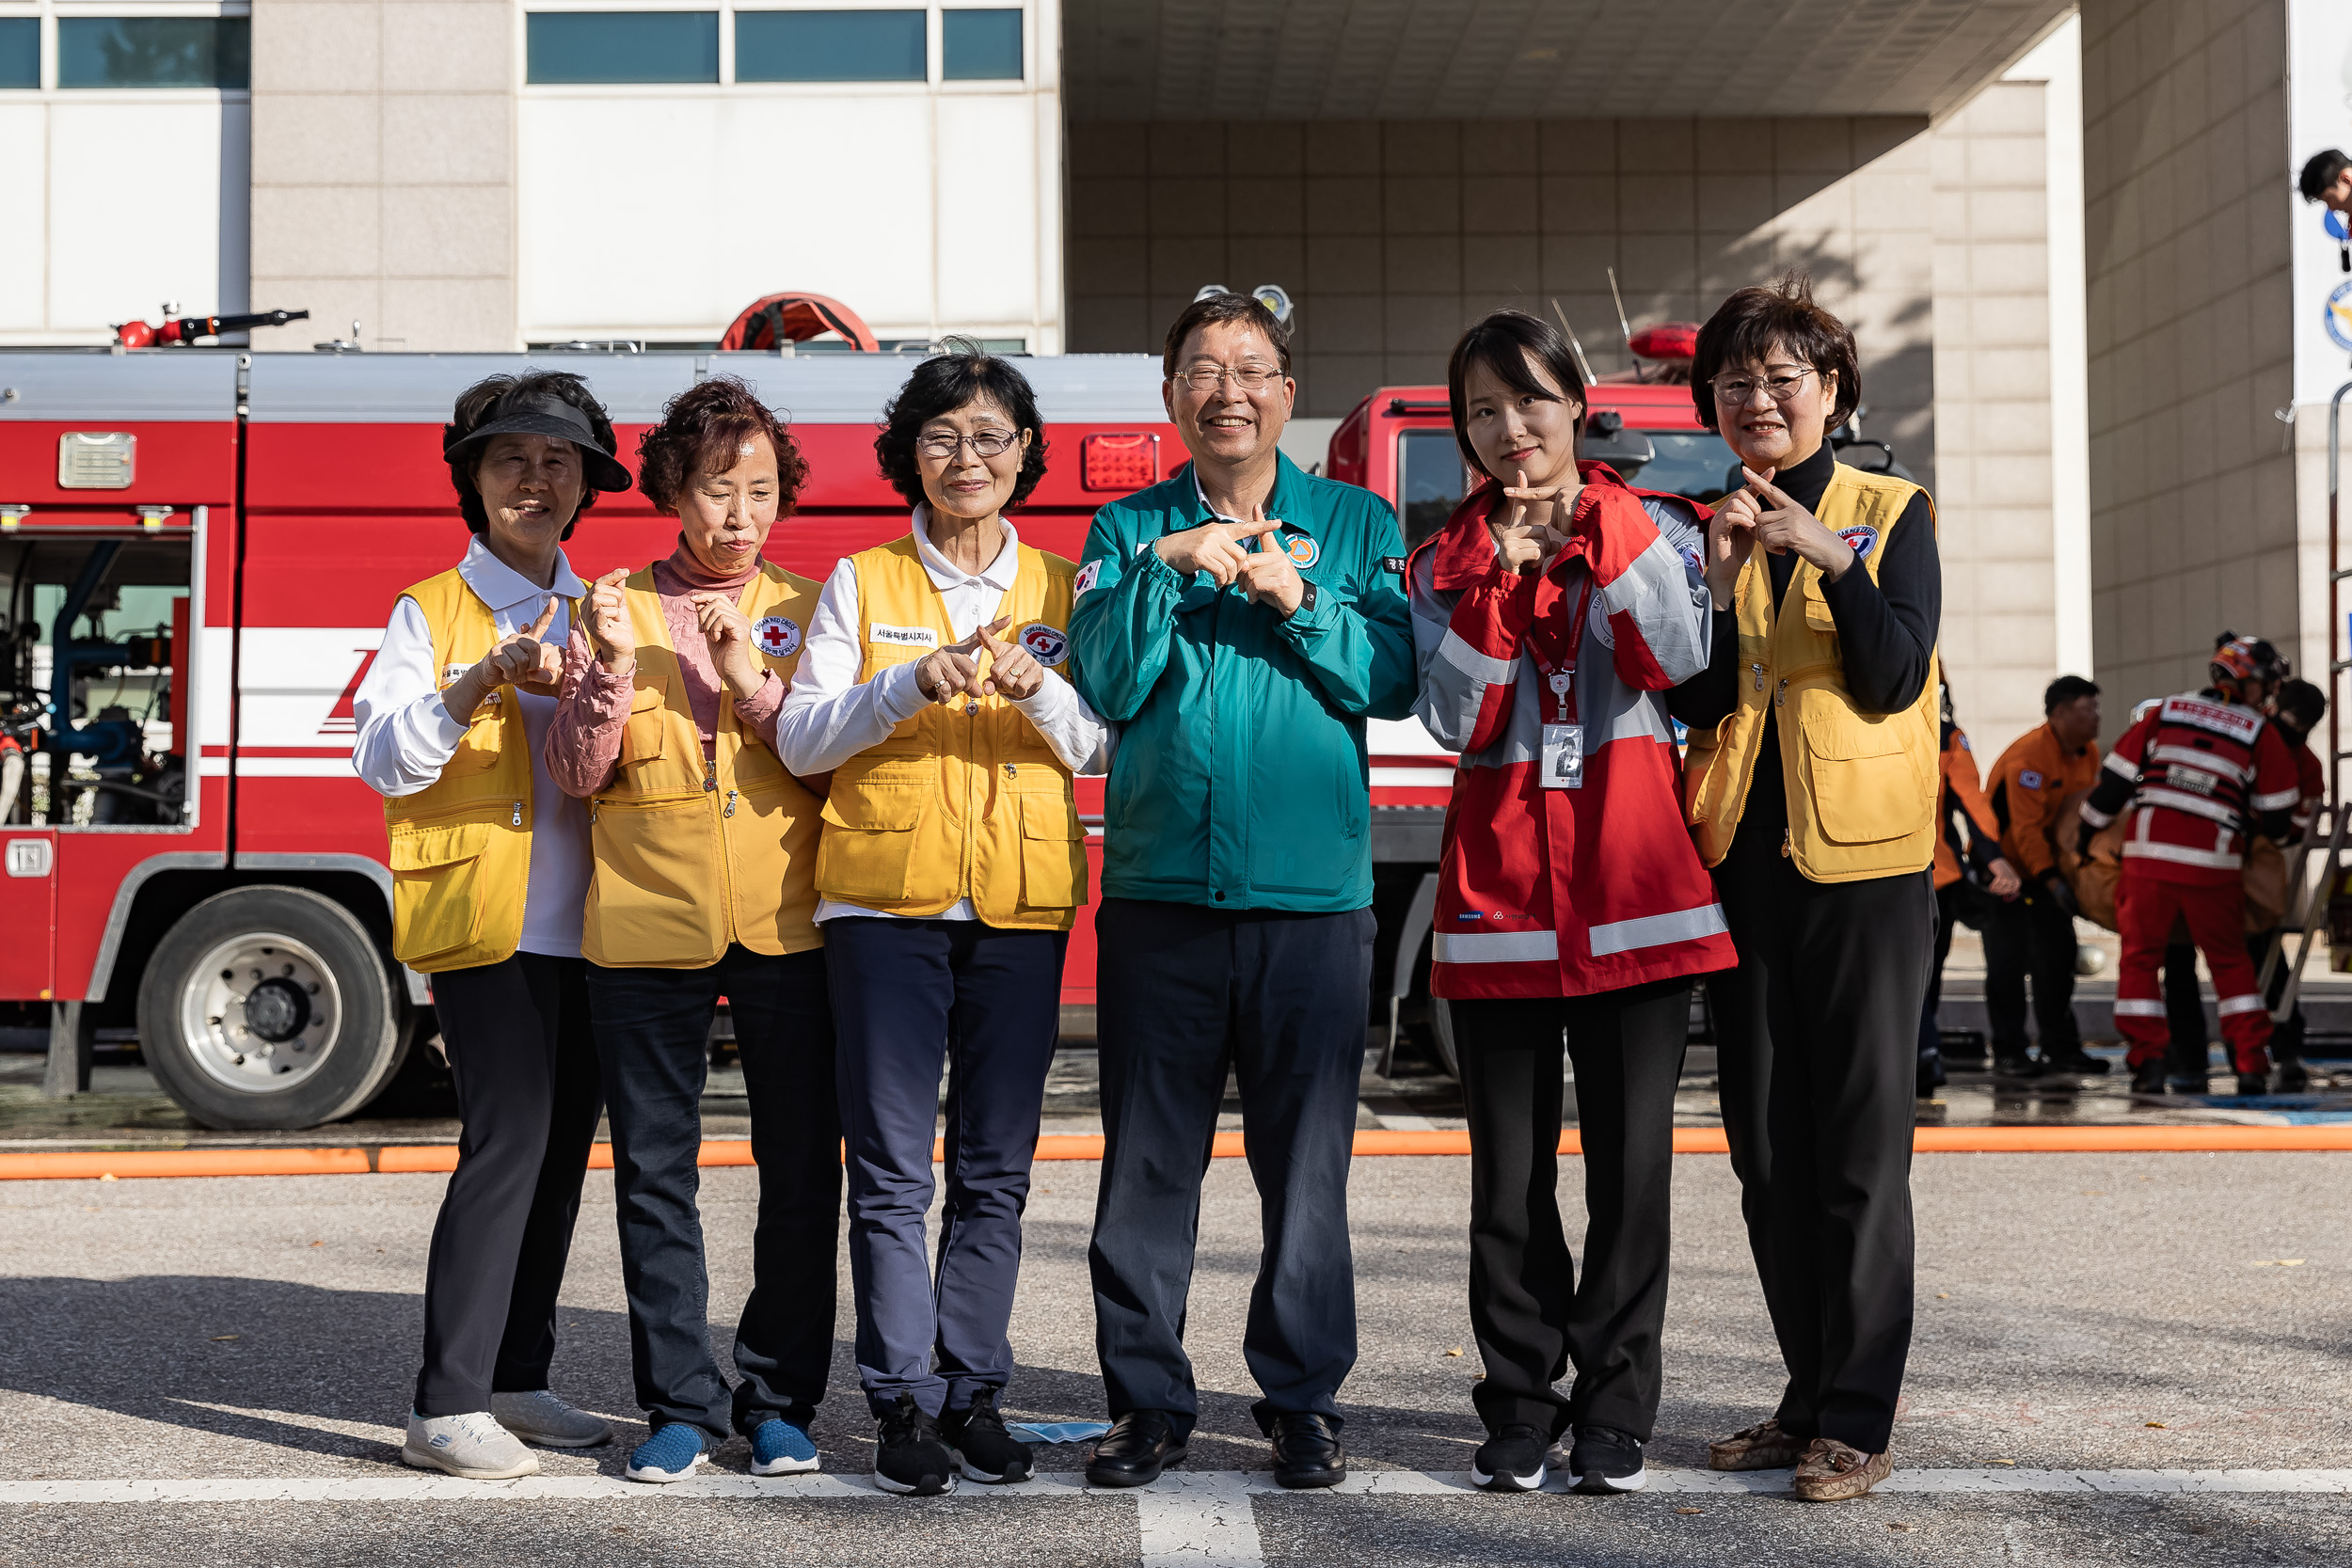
2076 1061
984 1450
1606 1460
2250 1085
2148 1077
1512 1459
909 1458
2016 1066
2293 1078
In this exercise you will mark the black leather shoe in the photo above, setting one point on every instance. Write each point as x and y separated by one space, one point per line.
1137 1448
1306 1451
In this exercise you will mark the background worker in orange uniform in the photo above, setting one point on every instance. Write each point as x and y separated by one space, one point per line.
2034 934
1971 877
2201 773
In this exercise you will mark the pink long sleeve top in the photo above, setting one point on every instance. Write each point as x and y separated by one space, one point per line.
583 746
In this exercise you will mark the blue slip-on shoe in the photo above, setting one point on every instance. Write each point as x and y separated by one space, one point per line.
670 1454
781 1448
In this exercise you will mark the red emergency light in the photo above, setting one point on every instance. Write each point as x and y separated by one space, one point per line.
1668 341
1118 462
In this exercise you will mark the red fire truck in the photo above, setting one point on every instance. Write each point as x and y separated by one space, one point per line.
191 861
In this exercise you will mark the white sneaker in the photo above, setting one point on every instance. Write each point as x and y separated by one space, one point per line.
473 1446
538 1416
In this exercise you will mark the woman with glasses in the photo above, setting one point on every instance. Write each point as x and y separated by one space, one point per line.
934 693
1810 786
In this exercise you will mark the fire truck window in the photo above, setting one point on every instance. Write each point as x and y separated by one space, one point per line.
979 46
154 52
1429 481
830 46
20 52
1693 463
573 47
87 734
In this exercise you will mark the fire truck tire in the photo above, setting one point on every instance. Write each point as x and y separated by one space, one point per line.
269 1008
1441 1034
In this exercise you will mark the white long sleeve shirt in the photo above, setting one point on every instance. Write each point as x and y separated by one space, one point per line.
831 715
407 736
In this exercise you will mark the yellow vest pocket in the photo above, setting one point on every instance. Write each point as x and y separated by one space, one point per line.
1053 851
868 841
641 735
1865 788
437 899
653 902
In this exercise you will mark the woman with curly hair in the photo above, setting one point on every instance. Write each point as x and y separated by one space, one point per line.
703 848
935 692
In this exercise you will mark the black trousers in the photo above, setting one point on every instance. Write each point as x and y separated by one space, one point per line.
1531 1317
1956 904
528 1094
653 1030
911 996
2030 936
1185 994
1818 1042
2190 1053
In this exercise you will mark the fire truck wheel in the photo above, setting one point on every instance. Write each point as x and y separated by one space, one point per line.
1441 1034
268 1007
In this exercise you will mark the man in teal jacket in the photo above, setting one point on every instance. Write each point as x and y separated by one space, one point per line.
1240 622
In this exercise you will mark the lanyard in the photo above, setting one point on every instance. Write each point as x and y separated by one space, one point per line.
1563 679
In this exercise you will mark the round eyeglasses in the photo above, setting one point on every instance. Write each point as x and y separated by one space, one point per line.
985 444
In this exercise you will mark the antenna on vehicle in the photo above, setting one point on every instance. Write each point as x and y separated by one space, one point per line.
1576 350
1623 326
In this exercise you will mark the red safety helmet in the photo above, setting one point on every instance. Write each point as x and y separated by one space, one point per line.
2244 659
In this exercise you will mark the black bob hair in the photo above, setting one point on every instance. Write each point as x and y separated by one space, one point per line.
1746 328
479 403
2064 690
2321 172
960 374
1505 342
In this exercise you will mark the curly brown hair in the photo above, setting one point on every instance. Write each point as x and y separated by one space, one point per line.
1752 322
704 430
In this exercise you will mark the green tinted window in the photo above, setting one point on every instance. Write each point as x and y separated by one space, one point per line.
572 47
154 52
829 46
977 46
20 52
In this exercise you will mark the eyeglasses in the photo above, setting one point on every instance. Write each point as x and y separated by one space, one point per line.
1732 391
985 443
1252 379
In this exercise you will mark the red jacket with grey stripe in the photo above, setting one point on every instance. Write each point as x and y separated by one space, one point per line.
2201 773
1566 892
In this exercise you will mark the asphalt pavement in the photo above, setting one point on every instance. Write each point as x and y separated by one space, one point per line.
215 1371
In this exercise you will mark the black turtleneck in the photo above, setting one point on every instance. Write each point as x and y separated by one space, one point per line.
1887 633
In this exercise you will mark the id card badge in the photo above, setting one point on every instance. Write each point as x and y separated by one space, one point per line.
1563 756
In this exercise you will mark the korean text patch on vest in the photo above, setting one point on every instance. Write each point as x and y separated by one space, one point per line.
1393 565
1046 644
779 636
902 637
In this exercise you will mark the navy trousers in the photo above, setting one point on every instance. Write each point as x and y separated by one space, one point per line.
1186 993
528 1094
911 995
652 1029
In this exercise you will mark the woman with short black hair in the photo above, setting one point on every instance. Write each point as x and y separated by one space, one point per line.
952 867
489 865
1810 786
703 848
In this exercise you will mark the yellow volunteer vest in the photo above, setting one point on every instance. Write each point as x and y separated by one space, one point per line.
460 850
956 805
1861 787
693 854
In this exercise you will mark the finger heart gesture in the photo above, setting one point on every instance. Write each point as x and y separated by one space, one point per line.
1782 524
608 625
1269 577
1014 671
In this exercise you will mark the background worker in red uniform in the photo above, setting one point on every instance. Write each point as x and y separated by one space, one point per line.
1971 877
2035 935
2200 772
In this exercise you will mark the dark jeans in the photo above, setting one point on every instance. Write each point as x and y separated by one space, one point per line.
2030 936
1186 993
653 1028
1818 1046
2190 1052
1531 1318
909 994
528 1094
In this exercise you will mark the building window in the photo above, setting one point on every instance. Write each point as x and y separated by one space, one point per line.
571 47
20 52
980 46
829 46
154 52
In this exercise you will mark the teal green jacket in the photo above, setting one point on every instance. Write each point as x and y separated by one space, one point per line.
1239 781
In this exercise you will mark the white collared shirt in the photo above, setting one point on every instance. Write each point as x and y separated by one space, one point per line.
831 715
407 736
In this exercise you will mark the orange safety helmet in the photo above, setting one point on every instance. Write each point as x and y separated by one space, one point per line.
2246 658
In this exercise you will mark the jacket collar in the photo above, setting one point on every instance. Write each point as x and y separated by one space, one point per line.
944 574
1288 504
501 587
1463 552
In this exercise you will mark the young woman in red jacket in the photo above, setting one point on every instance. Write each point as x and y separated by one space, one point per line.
1550 616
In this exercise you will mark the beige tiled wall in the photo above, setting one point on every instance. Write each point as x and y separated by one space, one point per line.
1988 171
1393 236
2186 211
383 156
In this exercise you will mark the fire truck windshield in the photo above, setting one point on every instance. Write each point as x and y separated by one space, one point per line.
1428 481
1693 463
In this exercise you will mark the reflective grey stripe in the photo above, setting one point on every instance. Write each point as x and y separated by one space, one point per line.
2203 761
1653 590
2134 1008
2118 763
1494 671
2195 805
2147 850
1496 947
2279 801
2096 818
1656 930
2238 1004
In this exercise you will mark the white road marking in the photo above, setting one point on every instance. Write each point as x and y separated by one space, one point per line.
1205 1521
